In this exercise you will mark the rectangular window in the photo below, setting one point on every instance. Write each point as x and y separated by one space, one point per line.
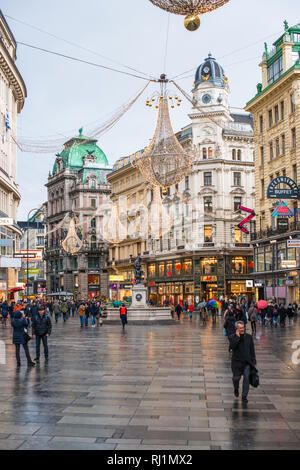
277 147
161 269
93 263
283 144
276 113
208 234
187 181
282 110
296 37
270 118
237 179
262 156
271 151
237 237
151 271
177 268
295 173
262 189
293 107
209 266
275 70
169 269
261 124
208 206
294 138
93 280
237 202
208 178
93 203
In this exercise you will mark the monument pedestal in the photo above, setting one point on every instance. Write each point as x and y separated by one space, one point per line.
139 312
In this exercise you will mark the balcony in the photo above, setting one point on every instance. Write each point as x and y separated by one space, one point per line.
270 232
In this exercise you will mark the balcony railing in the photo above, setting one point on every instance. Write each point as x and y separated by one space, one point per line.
269 232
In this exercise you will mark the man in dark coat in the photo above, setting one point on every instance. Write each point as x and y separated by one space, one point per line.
243 357
19 323
178 310
41 329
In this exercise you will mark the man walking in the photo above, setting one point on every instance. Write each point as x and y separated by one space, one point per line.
56 309
64 310
178 310
123 316
243 357
41 329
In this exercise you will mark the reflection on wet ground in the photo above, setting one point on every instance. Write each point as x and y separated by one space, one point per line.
153 387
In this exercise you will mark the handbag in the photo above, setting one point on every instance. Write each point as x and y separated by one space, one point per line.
254 377
27 337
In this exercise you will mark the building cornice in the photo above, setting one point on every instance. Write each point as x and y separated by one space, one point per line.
13 76
10 187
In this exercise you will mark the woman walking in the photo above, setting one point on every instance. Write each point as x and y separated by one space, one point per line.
81 312
252 315
19 323
4 311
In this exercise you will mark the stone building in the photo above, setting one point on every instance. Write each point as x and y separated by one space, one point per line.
78 188
129 194
277 155
202 254
12 98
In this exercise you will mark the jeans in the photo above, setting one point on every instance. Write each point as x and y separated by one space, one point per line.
38 345
82 321
93 320
237 377
25 346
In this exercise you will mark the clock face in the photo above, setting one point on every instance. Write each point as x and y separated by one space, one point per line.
138 297
206 99
206 69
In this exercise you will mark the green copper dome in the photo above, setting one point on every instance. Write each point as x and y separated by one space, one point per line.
79 147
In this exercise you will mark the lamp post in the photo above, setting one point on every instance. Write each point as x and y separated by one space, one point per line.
27 247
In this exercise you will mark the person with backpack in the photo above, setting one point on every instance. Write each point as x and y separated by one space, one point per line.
123 315
56 310
41 329
81 312
64 310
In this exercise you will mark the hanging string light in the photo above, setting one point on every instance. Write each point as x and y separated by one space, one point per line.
165 162
190 8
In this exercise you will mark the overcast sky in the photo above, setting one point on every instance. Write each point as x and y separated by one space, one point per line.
64 95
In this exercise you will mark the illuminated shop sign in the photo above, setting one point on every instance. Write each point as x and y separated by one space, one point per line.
291 193
282 210
245 221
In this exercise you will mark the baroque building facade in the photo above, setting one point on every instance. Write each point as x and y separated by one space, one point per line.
277 155
202 254
78 189
12 98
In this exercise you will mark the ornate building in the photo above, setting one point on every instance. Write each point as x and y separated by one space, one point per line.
12 98
205 255
277 154
78 188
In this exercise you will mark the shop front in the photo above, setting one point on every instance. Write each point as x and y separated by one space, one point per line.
209 287
93 286
125 292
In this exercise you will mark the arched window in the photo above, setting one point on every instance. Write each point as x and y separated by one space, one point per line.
233 154
210 153
239 155
204 153
93 243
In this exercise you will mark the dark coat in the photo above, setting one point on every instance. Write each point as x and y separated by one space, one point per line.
178 309
4 309
229 325
243 352
33 311
41 325
94 309
18 325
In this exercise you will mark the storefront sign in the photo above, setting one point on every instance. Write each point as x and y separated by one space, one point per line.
94 287
282 210
289 282
249 284
259 284
294 273
293 243
116 278
32 271
6 221
125 286
6 262
113 286
241 224
289 263
208 278
283 223
291 193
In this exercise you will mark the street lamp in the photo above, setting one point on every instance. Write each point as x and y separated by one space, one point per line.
27 246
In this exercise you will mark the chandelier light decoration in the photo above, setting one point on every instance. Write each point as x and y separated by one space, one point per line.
165 162
190 8
72 243
114 231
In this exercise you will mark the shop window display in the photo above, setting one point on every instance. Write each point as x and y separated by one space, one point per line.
161 269
93 280
169 269
177 268
151 271
209 265
187 266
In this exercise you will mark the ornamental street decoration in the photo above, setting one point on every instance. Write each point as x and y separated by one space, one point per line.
292 192
72 243
241 224
191 8
282 210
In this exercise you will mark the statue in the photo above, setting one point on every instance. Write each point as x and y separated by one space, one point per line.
286 26
266 49
138 270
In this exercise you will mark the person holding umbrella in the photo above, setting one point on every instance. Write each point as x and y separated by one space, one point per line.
262 305
214 304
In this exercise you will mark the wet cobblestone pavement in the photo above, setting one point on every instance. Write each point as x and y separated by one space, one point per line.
154 387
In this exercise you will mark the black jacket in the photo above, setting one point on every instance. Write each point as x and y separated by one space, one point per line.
41 325
242 349
229 325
